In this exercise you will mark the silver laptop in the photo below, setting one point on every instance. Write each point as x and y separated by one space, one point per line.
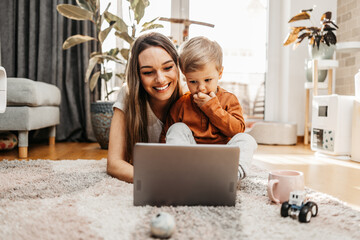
185 175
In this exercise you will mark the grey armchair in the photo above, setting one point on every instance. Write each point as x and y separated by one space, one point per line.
30 105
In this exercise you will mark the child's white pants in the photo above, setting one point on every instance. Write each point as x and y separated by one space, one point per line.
180 134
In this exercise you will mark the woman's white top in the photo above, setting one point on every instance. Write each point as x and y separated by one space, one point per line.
155 126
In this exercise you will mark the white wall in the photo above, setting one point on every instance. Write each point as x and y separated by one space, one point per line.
285 93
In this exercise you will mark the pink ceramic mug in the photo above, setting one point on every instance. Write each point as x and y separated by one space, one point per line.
282 182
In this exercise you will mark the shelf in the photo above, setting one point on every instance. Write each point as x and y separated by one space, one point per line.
327 64
321 85
347 47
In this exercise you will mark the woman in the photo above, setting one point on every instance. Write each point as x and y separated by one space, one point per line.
152 86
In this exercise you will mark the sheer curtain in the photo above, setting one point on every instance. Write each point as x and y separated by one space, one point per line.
32 33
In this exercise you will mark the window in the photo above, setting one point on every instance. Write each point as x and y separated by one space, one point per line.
240 29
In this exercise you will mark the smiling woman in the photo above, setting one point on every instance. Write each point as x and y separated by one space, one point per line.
152 86
159 76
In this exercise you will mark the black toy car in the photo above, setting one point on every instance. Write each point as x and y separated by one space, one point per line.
296 207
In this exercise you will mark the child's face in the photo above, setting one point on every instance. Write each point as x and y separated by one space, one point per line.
204 80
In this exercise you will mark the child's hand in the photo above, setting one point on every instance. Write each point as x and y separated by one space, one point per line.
201 98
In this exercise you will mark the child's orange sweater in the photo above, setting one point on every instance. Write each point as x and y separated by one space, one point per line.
217 121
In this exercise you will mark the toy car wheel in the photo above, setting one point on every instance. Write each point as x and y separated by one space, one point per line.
285 208
313 207
305 214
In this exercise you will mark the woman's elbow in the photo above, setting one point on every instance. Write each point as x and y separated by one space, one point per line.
109 168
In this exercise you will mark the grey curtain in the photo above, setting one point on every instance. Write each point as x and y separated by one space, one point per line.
32 33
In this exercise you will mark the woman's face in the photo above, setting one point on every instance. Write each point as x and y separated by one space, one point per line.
158 73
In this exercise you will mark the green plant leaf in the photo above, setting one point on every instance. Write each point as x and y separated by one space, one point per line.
92 62
93 81
111 58
93 54
120 25
139 11
125 53
106 56
152 26
102 16
103 34
125 36
74 12
76 39
93 4
113 52
84 4
133 3
300 16
106 76
146 3
146 24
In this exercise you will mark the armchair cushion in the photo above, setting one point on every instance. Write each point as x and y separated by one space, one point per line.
26 92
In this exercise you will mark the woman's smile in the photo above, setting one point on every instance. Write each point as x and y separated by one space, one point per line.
162 88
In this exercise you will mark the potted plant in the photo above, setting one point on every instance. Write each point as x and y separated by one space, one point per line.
315 35
321 39
101 111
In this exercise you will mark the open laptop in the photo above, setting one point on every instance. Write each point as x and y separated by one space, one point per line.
174 175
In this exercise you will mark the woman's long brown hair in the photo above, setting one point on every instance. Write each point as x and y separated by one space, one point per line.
137 97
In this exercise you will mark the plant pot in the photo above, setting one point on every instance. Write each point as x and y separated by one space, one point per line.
323 52
308 71
101 114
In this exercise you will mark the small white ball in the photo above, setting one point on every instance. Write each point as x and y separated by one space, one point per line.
162 225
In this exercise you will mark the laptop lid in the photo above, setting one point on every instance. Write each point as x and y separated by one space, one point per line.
199 174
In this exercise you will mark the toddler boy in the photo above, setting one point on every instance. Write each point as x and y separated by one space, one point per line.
207 114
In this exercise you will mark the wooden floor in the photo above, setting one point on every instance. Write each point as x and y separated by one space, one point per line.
339 178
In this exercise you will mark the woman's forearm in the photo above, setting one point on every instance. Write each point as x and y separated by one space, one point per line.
121 170
116 165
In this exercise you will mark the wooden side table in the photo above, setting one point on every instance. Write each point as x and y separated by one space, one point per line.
315 85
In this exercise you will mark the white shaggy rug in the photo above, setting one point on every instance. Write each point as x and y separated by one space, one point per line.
67 199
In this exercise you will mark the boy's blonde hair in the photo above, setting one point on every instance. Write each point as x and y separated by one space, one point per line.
197 52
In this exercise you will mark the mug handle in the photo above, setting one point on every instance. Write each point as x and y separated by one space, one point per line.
270 189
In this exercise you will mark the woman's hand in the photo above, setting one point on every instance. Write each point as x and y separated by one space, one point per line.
116 165
201 98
